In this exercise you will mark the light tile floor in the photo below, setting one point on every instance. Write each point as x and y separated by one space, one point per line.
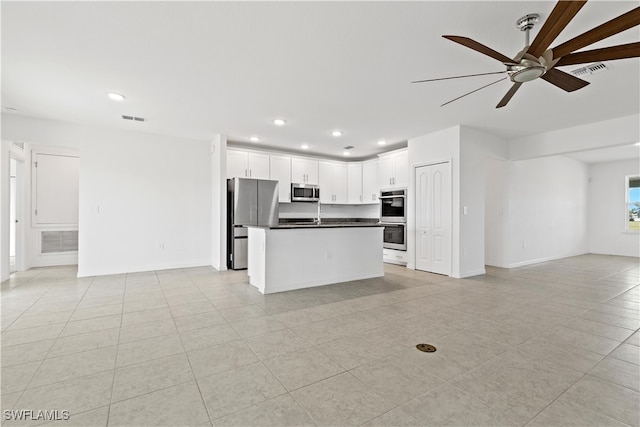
550 344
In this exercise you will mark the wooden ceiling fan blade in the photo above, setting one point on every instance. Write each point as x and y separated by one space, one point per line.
564 81
610 28
473 91
630 50
509 95
459 77
560 16
479 47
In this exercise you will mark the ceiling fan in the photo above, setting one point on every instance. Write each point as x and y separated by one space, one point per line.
536 60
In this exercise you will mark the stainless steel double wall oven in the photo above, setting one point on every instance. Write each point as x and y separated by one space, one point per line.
393 215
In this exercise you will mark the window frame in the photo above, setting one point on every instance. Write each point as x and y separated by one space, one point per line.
627 203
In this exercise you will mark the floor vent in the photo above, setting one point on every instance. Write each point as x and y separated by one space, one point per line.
590 69
53 242
134 118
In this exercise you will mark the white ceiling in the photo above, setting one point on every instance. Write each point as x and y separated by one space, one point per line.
194 69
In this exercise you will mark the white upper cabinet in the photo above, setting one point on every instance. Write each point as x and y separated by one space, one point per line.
394 169
246 164
333 182
280 167
354 183
370 181
304 171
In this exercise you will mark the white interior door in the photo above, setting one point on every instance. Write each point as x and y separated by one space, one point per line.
433 218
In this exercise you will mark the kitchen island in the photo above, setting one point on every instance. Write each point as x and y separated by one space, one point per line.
288 257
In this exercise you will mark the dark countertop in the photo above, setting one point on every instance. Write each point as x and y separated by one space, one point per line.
326 225
295 223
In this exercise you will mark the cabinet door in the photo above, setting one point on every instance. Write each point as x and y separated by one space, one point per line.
280 170
311 168
258 165
237 164
370 182
401 169
326 182
354 183
386 172
298 171
340 183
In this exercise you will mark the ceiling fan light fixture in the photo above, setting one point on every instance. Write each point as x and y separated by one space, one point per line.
527 74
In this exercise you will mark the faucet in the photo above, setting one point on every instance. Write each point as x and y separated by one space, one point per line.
318 212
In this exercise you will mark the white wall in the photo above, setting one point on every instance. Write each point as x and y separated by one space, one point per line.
607 210
496 230
219 202
475 148
548 206
145 200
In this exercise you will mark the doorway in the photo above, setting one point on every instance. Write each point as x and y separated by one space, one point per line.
15 198
433 218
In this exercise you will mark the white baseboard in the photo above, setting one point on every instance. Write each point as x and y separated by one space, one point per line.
142 269
545 259
470 273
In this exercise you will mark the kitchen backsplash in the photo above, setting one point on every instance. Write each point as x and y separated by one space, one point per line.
310 210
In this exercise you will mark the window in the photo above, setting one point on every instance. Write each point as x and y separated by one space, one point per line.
633 203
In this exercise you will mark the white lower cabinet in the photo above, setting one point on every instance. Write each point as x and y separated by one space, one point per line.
393 256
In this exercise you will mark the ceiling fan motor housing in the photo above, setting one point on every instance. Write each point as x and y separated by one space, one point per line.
528 69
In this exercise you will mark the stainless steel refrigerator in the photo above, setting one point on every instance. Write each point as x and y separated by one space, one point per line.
249 202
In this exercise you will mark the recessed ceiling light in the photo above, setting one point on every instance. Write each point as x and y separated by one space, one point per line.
279 122
637 143
346 153
336 133
382 142
254 139
115 96
305 146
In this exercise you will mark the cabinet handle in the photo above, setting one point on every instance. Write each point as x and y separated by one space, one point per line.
249 173
245 173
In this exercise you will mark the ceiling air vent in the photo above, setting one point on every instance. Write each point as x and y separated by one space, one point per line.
134 118
587 70
19 145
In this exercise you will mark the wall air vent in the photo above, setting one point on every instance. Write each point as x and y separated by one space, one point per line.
134 118
19 145
587 70
58 241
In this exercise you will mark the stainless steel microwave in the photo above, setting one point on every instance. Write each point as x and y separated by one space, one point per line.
305 193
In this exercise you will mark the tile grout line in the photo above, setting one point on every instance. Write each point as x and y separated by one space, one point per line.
45 357
115 362
195 380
